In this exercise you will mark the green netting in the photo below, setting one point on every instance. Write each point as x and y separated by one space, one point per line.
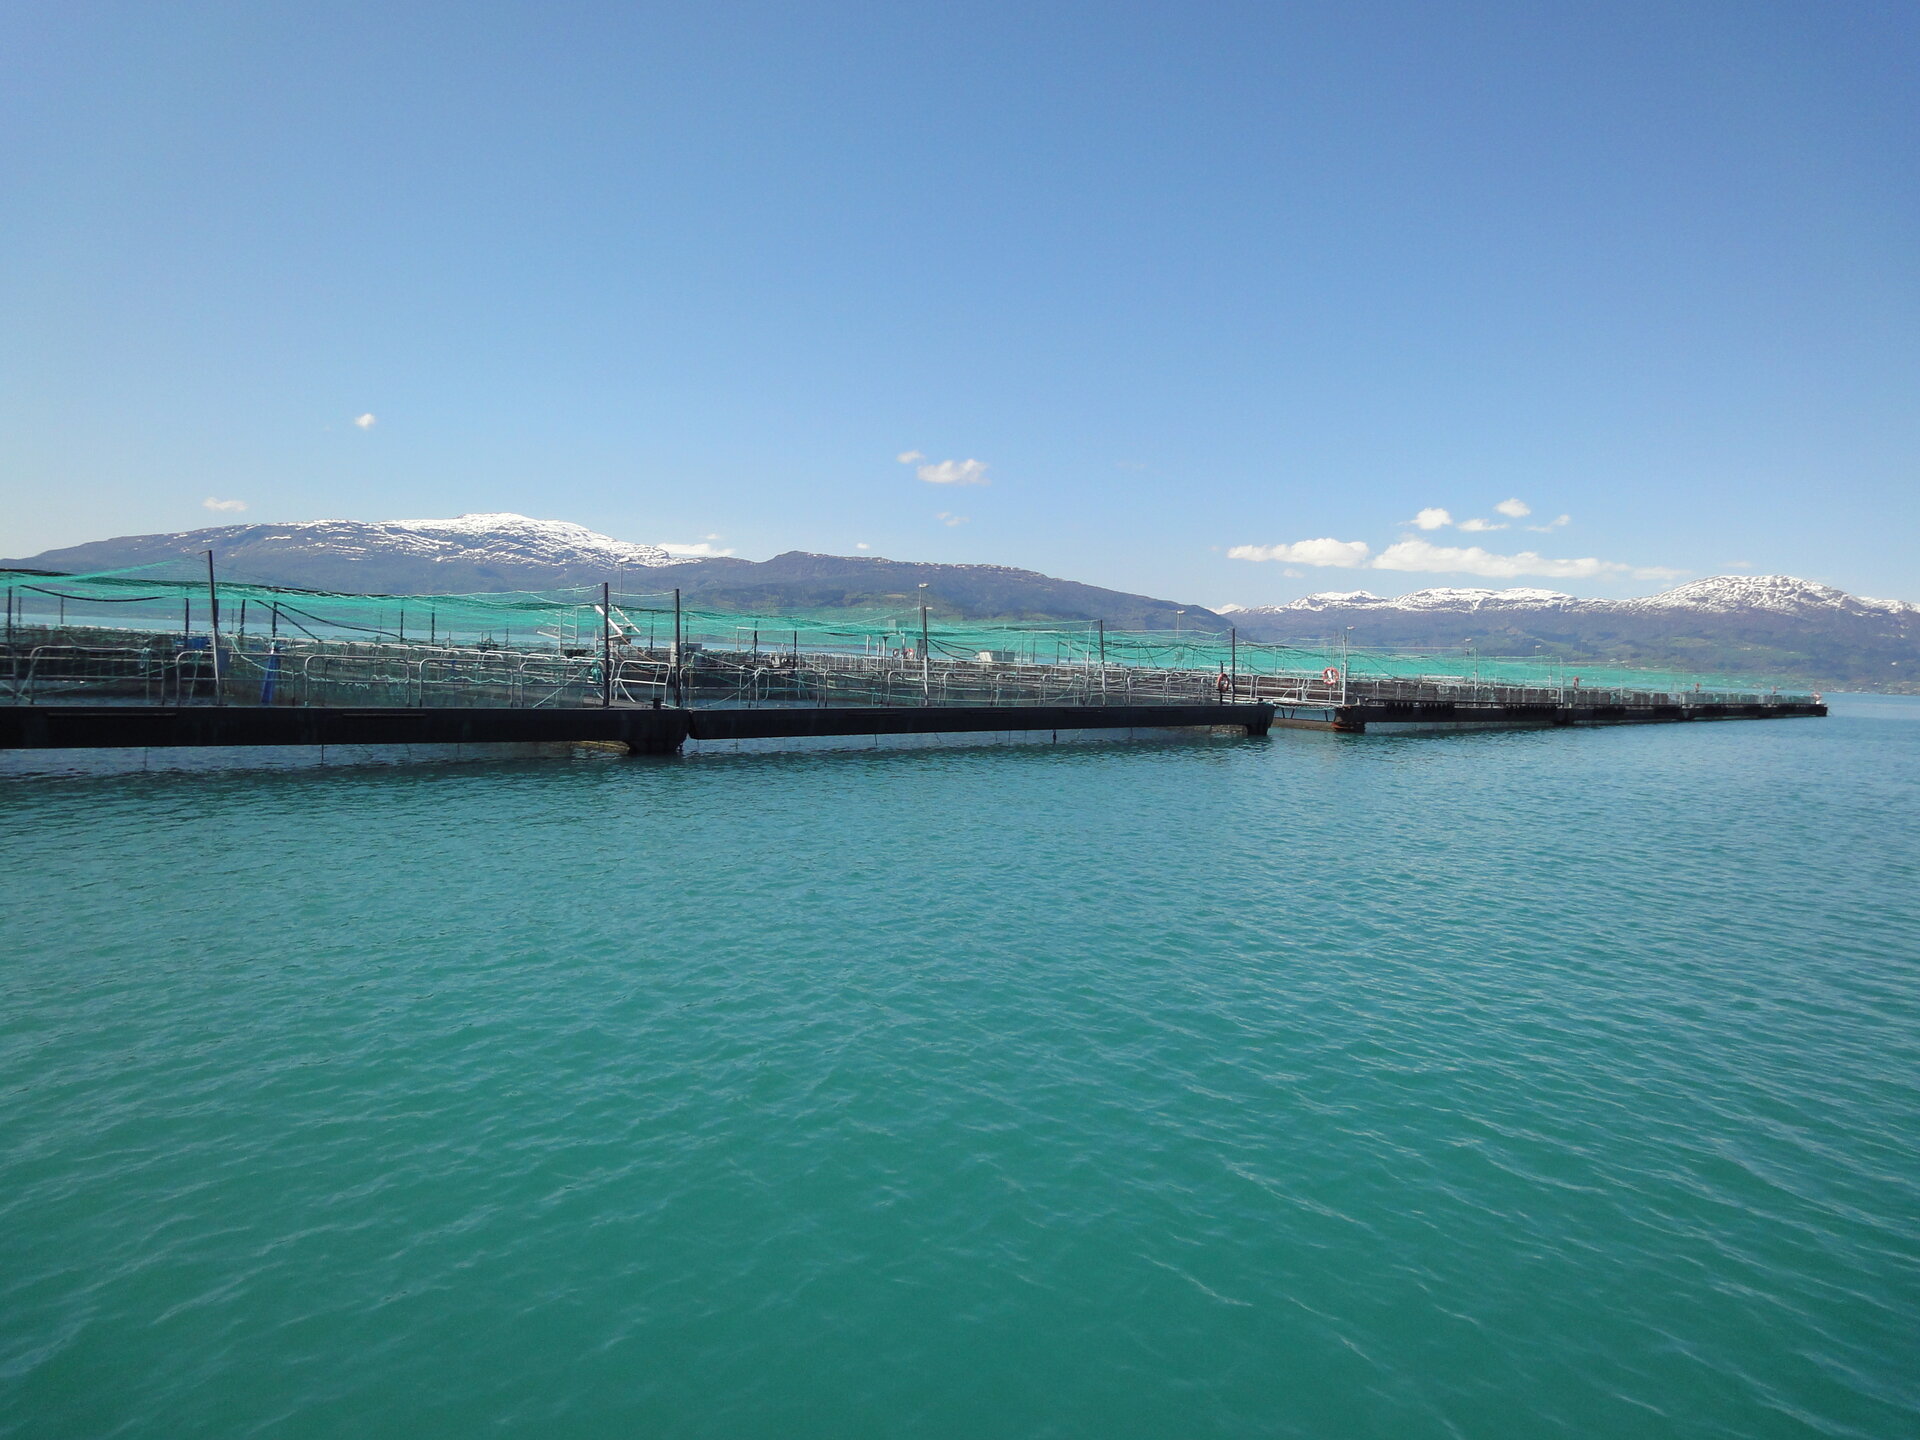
170 598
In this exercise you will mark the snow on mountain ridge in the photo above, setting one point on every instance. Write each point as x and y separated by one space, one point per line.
1444 598
498 536
1787 594
1780 594
503 533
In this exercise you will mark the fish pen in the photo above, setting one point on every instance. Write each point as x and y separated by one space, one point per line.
155 636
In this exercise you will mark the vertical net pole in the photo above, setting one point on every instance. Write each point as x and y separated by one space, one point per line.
606 646
213 629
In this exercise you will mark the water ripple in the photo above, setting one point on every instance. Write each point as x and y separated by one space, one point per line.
1506 1085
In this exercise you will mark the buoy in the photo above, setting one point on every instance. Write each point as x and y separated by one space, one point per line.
1331 675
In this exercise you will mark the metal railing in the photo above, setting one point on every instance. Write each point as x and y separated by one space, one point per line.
96 666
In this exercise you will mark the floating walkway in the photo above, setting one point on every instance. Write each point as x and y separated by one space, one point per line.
1389 715
647 731
644 731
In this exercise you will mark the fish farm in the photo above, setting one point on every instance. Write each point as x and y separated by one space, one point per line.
151 657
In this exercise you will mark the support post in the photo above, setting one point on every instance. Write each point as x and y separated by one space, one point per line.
926 660
1233 662
213 630
1103 660
606 646
675 669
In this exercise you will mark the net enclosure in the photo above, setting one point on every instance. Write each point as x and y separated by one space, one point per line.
610 644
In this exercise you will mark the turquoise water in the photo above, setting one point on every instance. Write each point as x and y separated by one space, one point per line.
1500 1085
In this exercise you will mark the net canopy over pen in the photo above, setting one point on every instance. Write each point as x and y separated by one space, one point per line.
172 598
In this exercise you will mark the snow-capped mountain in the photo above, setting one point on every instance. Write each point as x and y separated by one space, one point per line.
1719 594
466 552
1780 594
1436 599
1769 624
513 552
502 535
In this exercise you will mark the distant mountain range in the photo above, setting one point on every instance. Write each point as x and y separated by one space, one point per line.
1759 624
512 552
1766 624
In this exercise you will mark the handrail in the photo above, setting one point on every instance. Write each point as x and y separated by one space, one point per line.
411 674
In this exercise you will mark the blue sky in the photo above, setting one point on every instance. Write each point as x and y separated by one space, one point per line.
1180 280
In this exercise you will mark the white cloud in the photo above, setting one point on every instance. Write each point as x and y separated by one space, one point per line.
1435 518
365 422
1426 557
954 472
213 504
702 551
1553 524
861 545
907 457
1339 554
946 517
